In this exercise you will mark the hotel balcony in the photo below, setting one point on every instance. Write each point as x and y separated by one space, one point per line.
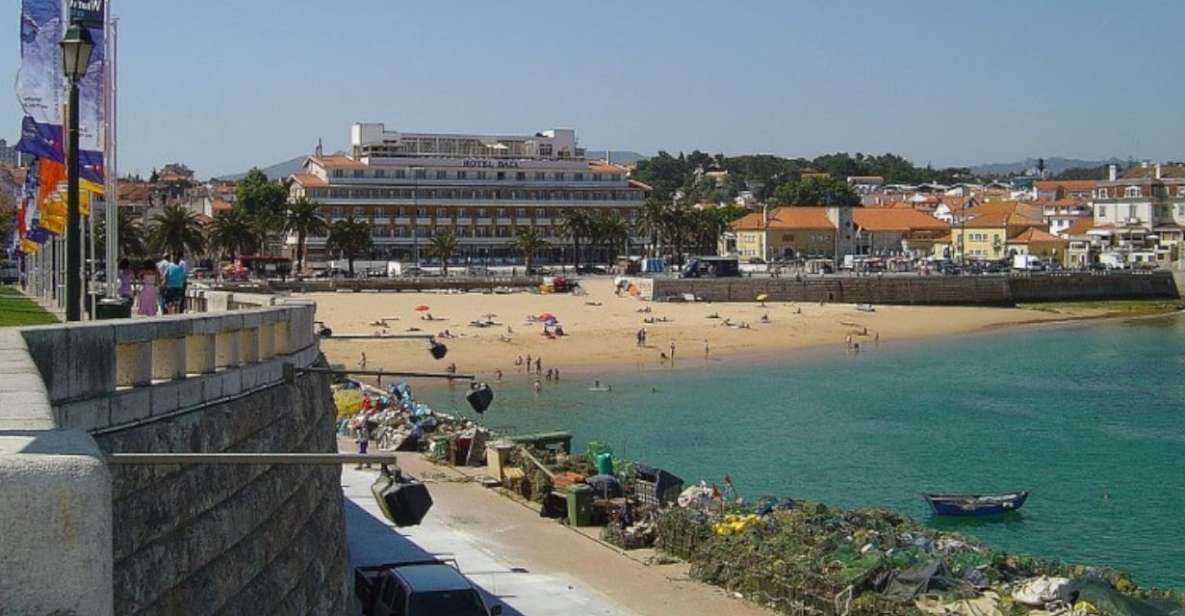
502 220
402 220
464 220
444 220
424 220
543 221
485 221
381 220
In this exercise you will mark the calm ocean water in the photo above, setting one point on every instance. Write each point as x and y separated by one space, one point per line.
1089 417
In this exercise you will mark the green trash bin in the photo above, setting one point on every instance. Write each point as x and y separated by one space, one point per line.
580 499
116 308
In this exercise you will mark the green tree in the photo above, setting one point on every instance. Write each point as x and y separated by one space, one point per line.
304 219
264 201
443 246
131 235
816 190
230 233
528 242
610 231
575 225
653 221
176 230
350 237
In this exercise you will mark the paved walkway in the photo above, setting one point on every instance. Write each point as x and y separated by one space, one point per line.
534 565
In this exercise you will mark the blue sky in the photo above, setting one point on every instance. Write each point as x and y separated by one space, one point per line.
224 84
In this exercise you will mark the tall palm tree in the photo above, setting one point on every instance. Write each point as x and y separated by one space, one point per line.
528 241
131 235
265 223
443 246
575 225
176 230
612 231
304 219
230 233
350 237
653 220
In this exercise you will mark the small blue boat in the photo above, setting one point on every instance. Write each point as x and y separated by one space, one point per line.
975 504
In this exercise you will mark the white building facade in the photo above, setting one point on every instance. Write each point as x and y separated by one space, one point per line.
481 189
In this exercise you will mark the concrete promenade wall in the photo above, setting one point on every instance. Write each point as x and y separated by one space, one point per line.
199 539
922 290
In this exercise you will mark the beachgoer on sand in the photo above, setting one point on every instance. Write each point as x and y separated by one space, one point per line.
498 375
362 361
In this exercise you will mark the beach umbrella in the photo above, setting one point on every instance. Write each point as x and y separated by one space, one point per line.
761 297
422 308
547 316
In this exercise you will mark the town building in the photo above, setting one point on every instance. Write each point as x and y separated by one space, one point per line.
865 184
1054 190
983 232
9 154
410 187
1139 215
795 233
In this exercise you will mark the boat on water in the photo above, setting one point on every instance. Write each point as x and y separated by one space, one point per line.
976 504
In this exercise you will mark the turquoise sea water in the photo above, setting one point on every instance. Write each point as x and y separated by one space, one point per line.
1089 417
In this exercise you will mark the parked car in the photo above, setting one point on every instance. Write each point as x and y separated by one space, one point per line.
423 588
591 269
9 274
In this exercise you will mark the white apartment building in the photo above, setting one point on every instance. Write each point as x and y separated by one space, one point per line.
410 187
1139 215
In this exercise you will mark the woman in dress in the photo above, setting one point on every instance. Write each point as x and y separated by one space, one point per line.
126 275
150 283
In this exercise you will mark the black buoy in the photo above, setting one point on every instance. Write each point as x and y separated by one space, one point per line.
480 397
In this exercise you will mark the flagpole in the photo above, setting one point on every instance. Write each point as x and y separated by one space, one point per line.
111 169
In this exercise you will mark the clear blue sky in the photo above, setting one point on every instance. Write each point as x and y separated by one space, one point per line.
224 84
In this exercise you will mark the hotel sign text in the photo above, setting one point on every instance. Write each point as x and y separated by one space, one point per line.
491 164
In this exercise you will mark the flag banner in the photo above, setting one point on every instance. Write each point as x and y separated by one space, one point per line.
37 235
91 94
29 246
50 173
39 82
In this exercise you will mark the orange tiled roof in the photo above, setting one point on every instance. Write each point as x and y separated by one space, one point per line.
601 166
896 219
338 161
1166 171
637 184
1067 185
308 180
1068 202
1033 234
218 205
796 218
1003 214
1080 226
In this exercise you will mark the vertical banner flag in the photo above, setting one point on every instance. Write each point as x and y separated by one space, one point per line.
39 80
92 14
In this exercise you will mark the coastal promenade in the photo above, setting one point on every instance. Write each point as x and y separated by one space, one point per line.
531 564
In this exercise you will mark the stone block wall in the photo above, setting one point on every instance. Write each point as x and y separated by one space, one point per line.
921 290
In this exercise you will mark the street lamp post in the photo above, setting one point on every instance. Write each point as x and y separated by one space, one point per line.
76 56
415 211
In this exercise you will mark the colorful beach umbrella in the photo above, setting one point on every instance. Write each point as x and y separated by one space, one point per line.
422 308
547 316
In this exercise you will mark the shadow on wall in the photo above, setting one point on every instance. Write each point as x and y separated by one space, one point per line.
374 542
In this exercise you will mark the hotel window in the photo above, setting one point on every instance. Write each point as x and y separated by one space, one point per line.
391 212
1102 193
441 174
421 212
441 212
400 174
558 176
461 175
579 177
521 212
616 177
1131 211
337 173
542 175
380 173
501 212
360 211
1131 191
542 213
358 173
481 175
1102 211
1181 210
501 175
481 212
421 174
596 177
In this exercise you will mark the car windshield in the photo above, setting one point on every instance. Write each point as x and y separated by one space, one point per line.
447 603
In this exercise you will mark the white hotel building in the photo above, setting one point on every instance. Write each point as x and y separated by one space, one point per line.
480 188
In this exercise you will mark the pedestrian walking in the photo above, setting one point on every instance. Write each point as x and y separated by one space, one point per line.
672 352
707 349
363 440
362 360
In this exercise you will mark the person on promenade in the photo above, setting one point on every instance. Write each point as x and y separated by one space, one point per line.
174 285
363 440
149 284
707 349
362 360
125 277
184 282
538 365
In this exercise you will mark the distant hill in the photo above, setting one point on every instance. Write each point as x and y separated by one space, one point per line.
1053 165
277 171
617 156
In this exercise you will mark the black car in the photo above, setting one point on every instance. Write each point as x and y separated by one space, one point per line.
419 589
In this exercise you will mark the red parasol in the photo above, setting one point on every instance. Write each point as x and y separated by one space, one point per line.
547 316
422 308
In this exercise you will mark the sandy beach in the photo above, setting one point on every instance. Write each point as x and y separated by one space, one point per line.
601 328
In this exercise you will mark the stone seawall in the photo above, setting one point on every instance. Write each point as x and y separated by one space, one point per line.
922 290
208 539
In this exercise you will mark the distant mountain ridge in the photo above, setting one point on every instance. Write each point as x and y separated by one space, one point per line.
1053 165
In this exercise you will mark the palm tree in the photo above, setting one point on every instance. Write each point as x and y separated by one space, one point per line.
176 230
443 246
653 220
131 235
528 241
230 233
304 220
612 231
575 225
350 237
264 225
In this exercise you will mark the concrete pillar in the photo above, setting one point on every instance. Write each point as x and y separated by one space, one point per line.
226 349
168 359
133 364
199 354
267 340
249 345
281 346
